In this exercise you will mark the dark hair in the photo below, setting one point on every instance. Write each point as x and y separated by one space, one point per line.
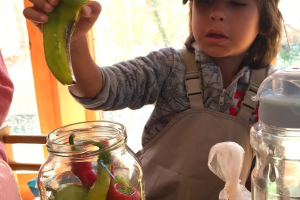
266 44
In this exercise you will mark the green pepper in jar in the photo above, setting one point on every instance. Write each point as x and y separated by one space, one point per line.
120 179
57 33
70 191
101 186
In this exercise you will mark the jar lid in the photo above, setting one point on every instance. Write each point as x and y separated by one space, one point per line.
279 97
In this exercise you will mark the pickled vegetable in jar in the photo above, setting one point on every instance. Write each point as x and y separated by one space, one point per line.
89 161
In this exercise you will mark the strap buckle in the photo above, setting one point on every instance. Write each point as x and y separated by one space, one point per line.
248 97
193 87
253 87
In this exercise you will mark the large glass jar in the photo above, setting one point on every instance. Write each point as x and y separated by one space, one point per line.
99 165
277 172
276 138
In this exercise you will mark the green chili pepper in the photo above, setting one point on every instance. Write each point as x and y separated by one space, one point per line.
101 186
57 33
120 179
74 192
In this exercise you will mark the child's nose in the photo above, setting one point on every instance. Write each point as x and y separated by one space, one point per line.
217 13
218 18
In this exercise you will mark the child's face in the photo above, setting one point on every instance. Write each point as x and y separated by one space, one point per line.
225 28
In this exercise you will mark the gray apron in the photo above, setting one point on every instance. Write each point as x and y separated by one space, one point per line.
175 161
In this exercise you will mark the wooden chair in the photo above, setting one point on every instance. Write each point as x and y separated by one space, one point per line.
8 140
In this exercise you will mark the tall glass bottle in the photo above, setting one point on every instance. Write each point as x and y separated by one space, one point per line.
276 138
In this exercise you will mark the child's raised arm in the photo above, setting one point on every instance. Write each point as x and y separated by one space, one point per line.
87 73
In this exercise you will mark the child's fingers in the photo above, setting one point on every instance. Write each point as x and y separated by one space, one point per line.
43 5
91 11
53 2
32 14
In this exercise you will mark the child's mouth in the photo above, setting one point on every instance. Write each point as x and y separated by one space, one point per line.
215 36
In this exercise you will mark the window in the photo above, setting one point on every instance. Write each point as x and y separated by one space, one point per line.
38 99
23 116
127 29
289 53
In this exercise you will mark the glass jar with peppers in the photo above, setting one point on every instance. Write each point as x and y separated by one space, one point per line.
90 161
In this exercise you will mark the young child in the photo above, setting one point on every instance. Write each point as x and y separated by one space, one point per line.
233 43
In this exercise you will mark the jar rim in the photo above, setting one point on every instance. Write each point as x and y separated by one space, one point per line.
113 133
279 131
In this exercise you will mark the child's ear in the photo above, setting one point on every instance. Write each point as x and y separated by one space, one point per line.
262 32
265 27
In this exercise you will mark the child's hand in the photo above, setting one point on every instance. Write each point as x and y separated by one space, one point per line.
89 15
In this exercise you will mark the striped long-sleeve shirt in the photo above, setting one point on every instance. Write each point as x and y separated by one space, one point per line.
159 78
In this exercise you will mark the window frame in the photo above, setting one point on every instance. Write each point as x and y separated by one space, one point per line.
55 106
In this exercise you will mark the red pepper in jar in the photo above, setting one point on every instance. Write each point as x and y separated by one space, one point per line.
120 191
83 170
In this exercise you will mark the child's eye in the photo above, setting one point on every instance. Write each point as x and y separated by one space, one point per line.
236 3
204 1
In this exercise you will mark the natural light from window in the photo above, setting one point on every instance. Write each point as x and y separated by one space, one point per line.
23 115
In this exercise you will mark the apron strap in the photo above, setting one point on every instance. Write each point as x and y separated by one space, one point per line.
189 60
248 106
192 80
